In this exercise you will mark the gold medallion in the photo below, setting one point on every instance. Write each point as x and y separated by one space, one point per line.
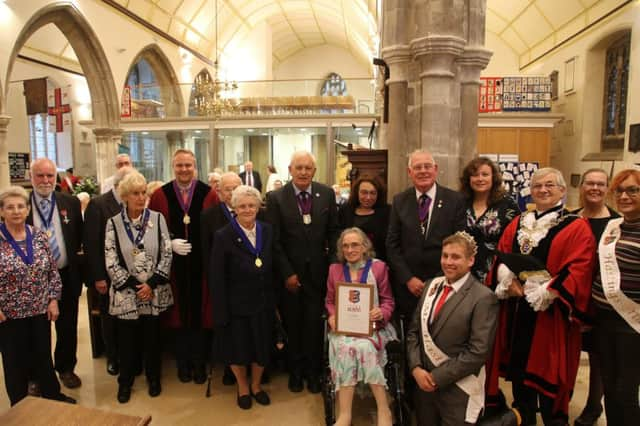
258 262
135 251
49 233
306 218
186 219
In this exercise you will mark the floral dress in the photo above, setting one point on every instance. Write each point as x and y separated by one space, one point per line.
362 359
487 230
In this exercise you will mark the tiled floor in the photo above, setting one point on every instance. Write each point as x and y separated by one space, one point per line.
186 404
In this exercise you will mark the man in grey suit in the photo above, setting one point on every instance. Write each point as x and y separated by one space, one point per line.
421 217
305 222
450 339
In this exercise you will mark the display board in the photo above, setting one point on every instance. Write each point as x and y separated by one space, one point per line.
526 94
490 97
516 177
18 166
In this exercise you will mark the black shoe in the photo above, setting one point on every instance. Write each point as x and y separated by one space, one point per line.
70 380
296 384
154 388
244 402
199 374
64 398
184 374
112 367
314 385
228 378
589 416
261 397
124 393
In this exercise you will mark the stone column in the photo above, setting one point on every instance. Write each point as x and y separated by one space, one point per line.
330 177
214 143
5 181
472 62
396 141
107 141
440 111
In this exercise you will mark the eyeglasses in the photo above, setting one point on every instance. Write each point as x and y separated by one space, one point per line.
347 246
423 166
539 186
632 191
365 192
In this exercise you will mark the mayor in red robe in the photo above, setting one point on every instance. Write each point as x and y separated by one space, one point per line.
181 202
537 345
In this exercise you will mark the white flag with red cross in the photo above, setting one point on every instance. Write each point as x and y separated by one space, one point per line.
59 109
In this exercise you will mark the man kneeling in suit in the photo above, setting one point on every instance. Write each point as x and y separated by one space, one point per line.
450 338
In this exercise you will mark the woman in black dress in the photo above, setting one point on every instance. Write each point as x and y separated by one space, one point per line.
593 190
242 294
489 210
368 210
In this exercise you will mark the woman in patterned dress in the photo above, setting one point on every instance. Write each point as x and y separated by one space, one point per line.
489 210
138 259
360 359
30 287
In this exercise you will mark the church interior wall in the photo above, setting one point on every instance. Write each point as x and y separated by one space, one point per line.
504 61
579 132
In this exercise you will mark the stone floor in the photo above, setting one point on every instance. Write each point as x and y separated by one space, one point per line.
186 404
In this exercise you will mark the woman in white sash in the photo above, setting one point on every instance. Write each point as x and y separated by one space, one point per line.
616 295
138 260
360 359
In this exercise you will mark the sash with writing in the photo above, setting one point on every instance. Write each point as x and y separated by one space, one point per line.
472 385
610 275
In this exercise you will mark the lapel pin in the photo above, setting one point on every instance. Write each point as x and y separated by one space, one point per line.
239 240
317 194
439 204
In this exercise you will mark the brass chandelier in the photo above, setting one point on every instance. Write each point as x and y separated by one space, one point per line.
213 96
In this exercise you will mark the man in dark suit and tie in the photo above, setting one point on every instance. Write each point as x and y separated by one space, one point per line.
98 212
421 217
251 178
59 215
305 221
450 339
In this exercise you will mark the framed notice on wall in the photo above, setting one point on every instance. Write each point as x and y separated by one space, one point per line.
490 96
526 94
18 166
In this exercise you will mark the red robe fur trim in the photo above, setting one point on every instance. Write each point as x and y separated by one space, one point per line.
552 365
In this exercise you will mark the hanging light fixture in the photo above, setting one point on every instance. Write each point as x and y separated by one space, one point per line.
214 97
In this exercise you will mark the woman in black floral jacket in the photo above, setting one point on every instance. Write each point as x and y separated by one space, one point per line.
489 210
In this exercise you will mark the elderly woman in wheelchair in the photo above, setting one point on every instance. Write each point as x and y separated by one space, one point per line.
360 359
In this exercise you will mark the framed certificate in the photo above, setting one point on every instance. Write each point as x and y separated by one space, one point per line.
353 303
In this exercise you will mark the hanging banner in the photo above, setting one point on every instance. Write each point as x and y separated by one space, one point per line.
59 109
126 102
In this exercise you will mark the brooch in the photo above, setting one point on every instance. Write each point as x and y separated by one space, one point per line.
439 204
65 219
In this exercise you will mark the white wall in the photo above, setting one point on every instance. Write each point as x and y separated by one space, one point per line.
504 60
579 134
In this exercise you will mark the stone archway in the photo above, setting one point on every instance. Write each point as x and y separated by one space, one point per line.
165 76
105 107
104 99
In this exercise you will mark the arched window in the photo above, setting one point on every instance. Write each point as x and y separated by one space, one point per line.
334 85
616 83
145 91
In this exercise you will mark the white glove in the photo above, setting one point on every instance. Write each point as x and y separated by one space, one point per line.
505 276
180 247
537 294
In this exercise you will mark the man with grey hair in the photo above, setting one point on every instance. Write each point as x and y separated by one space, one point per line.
547 307
59 215
98 212
421 217
250 177
122 160
305 220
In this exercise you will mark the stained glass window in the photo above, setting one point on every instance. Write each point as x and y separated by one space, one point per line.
615 94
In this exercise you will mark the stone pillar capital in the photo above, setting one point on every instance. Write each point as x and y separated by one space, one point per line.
397 58
437 54
472 61
4 122
101 133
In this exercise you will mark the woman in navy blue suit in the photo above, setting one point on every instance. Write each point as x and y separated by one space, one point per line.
242 293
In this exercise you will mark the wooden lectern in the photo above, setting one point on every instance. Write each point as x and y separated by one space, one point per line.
368 163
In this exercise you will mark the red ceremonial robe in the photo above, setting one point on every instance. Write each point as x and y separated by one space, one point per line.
190 293
549 360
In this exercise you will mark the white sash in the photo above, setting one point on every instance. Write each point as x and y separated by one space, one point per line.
610 276
472 385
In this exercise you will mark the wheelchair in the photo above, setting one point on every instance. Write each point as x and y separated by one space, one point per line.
394 372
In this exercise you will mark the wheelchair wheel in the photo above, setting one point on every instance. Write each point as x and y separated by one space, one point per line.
329 399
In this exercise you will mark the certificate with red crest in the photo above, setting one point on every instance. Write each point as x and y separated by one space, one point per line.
353 303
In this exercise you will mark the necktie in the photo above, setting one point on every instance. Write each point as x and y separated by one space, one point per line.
45 206
423 208
304 202
249 178
443 298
